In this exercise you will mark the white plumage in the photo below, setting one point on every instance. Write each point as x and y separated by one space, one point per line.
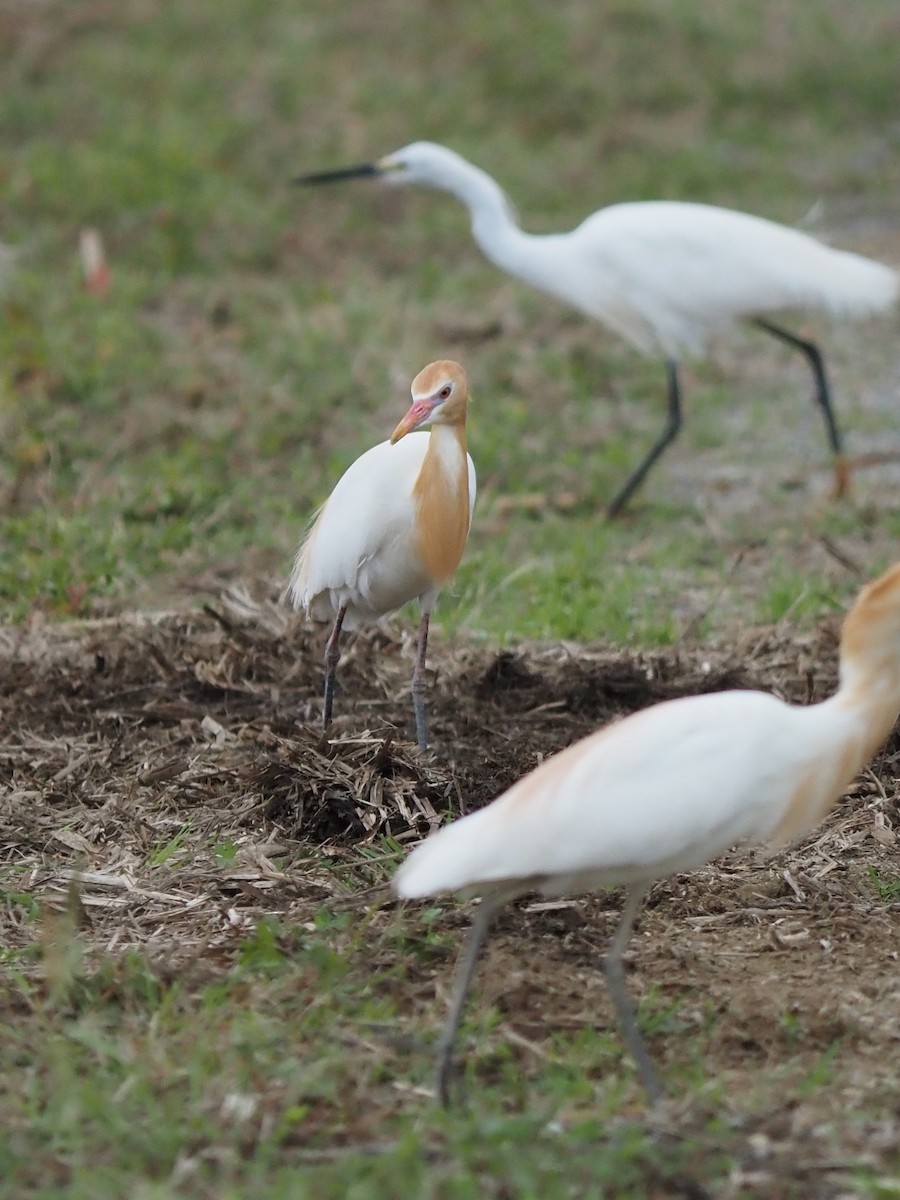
395 526
669 275
342 564
665 275
665 790
646 796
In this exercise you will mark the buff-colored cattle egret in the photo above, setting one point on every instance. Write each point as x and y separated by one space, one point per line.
665 275
395 526
664 790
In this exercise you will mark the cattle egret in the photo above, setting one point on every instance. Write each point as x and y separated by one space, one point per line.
664 790
664 275
395 526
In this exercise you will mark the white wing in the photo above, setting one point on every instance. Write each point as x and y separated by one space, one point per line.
359 551
666 789
667 275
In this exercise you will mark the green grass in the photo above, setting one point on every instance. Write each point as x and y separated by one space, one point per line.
887 889
295 1059
177 432
266 1081
300 1069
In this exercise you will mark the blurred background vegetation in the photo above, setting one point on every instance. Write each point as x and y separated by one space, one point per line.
173 434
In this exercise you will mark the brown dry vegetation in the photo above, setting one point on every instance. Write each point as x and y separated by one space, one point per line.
206 992
132 748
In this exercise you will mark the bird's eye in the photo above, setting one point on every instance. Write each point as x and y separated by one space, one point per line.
445 391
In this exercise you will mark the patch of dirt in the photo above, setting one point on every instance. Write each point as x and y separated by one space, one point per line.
173 768
177 712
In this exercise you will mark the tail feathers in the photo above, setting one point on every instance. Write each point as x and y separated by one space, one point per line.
297 589
858 285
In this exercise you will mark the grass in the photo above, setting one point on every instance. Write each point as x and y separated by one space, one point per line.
887 889
291 1072
173 435
176 432
299 1062
188 1091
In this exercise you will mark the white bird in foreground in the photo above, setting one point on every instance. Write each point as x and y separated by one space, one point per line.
665 275
395 526
665 790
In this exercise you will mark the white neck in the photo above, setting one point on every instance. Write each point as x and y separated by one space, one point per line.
493 224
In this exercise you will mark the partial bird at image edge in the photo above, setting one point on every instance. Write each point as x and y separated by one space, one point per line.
665 790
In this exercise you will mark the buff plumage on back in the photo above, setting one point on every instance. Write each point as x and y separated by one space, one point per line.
725 768
297 590
665 790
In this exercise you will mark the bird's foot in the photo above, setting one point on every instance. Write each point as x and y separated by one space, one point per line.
843 478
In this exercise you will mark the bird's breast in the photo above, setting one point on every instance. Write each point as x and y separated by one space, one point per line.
441 499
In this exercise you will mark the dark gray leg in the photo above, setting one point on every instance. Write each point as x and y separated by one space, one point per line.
332 655
487 910
822 397
669 433
418 685
615 980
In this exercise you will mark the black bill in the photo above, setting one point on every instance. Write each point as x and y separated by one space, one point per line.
342 173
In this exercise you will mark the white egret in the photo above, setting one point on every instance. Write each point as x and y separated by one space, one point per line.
395 526
664 790
663 274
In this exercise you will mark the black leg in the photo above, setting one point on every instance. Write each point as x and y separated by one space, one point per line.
332 655
418 685
465 970
673 424
822 396
615 981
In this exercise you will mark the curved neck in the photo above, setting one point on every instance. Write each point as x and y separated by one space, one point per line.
851 725
493 222
872 691
870 657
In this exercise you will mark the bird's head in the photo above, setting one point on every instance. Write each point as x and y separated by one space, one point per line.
420 162
440 394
